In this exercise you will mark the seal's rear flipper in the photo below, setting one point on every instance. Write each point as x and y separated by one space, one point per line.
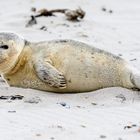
135 77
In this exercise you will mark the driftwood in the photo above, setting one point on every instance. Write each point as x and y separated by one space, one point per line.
71 15
31 22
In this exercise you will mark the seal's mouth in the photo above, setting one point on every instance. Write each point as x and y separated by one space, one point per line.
5 66
7 62
3 57
3 60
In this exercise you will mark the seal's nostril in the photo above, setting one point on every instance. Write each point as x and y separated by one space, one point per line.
4 46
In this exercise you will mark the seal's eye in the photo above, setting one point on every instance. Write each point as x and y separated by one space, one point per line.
4 46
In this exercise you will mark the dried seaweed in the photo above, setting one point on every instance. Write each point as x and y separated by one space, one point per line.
71 15
31 22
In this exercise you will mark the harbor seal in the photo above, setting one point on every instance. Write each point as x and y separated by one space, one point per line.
62 66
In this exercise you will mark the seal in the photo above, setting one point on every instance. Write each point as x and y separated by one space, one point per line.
62 66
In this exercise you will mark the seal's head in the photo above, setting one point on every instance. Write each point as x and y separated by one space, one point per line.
11 46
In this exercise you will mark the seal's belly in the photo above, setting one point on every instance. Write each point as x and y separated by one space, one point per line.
88 71
92 73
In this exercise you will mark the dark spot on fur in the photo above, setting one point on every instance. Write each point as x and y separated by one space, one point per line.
103 63
8 79
86 75
69 80
44 78
61 41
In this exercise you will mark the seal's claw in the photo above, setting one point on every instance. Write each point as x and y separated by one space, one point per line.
58 82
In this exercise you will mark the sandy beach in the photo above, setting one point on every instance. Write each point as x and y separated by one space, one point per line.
111 113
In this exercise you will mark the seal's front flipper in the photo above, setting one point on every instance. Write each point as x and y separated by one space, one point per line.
49 74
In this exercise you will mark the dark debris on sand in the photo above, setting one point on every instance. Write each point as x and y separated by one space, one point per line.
12 97
71 15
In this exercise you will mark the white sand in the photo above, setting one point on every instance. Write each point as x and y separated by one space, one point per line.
101 114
